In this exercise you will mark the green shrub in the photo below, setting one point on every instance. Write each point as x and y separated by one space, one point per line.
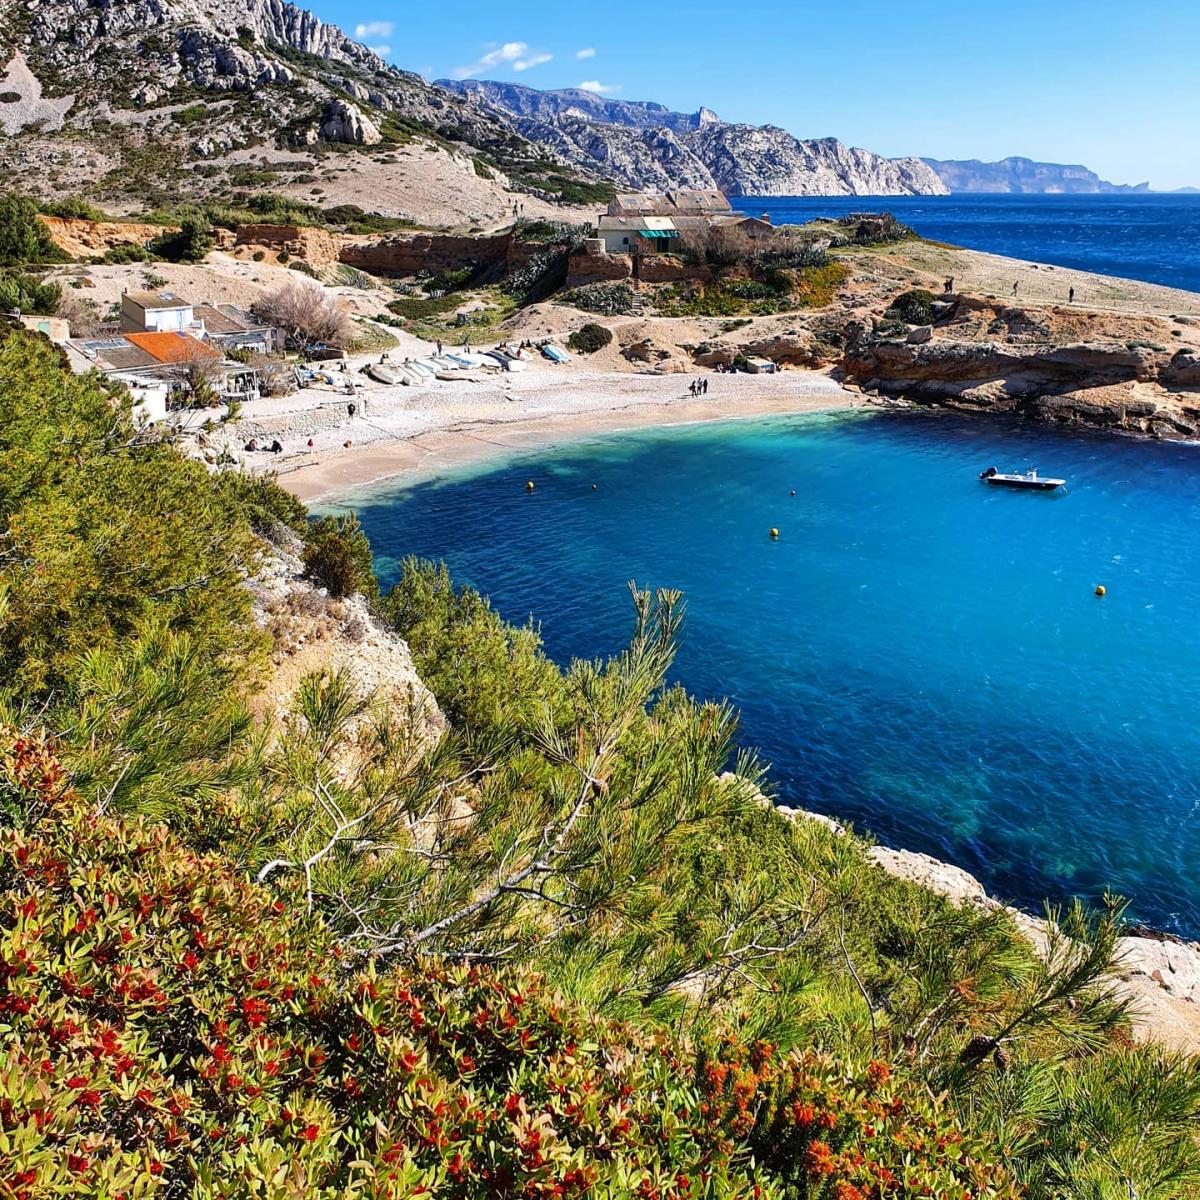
120 255
190 243
73 208
265 504
182 1032
589 338
102 532
611 299
28 294
23 238
913 307
192 115
337 557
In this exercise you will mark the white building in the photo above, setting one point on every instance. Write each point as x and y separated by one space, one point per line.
637 234
158 312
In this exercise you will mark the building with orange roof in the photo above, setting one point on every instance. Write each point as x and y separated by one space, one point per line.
172 347
161 363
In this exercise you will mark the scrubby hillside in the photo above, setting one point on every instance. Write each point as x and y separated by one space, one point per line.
566 947
231 93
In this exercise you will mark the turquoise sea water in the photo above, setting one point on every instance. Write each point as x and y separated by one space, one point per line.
917 652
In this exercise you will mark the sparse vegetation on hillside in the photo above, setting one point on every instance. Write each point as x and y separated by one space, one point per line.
780 291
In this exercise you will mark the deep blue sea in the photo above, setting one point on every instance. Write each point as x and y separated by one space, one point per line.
918 653
1140 236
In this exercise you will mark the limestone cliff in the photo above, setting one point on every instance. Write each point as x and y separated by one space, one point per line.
1023 175
154 98
645 145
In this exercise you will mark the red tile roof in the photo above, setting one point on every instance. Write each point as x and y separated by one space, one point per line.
171 347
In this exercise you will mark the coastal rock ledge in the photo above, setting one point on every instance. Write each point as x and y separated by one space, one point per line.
1159 974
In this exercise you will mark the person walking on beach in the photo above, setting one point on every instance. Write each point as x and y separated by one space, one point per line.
948 286
1071 296
439 346
1014 287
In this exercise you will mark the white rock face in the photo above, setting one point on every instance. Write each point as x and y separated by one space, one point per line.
30 107
343 122
646 146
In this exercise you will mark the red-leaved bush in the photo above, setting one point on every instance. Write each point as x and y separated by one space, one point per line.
169 1029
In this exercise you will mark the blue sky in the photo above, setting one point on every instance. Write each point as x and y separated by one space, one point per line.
1111 84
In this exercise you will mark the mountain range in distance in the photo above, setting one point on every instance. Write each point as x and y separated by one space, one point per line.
560 115
229 95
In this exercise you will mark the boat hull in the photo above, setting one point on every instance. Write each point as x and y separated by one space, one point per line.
1027 485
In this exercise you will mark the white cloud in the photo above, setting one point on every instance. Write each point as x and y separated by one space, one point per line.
515 54
373 29
588 53
601 89
534 60
382 51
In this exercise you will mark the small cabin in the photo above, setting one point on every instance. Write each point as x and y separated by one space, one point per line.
156 312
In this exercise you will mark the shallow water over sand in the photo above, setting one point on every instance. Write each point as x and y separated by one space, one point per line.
917 653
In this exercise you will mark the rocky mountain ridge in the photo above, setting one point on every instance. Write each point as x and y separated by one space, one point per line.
156 99
1024 175
644 145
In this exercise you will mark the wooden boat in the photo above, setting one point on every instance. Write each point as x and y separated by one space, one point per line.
382 373
1027 480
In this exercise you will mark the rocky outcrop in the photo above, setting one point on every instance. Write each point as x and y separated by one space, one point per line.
585 267
646 146
316 246
980 354
345 122
86 239
312 631
1023 175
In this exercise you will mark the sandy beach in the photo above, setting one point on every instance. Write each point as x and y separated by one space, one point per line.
397 430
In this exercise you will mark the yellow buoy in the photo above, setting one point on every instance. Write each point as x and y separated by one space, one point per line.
529 486
1101 590
774 533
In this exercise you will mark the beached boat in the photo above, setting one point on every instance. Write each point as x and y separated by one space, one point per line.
554 354
383 373
1027 480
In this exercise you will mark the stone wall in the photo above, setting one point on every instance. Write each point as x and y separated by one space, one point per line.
410 254
316 246
584 268
666 268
